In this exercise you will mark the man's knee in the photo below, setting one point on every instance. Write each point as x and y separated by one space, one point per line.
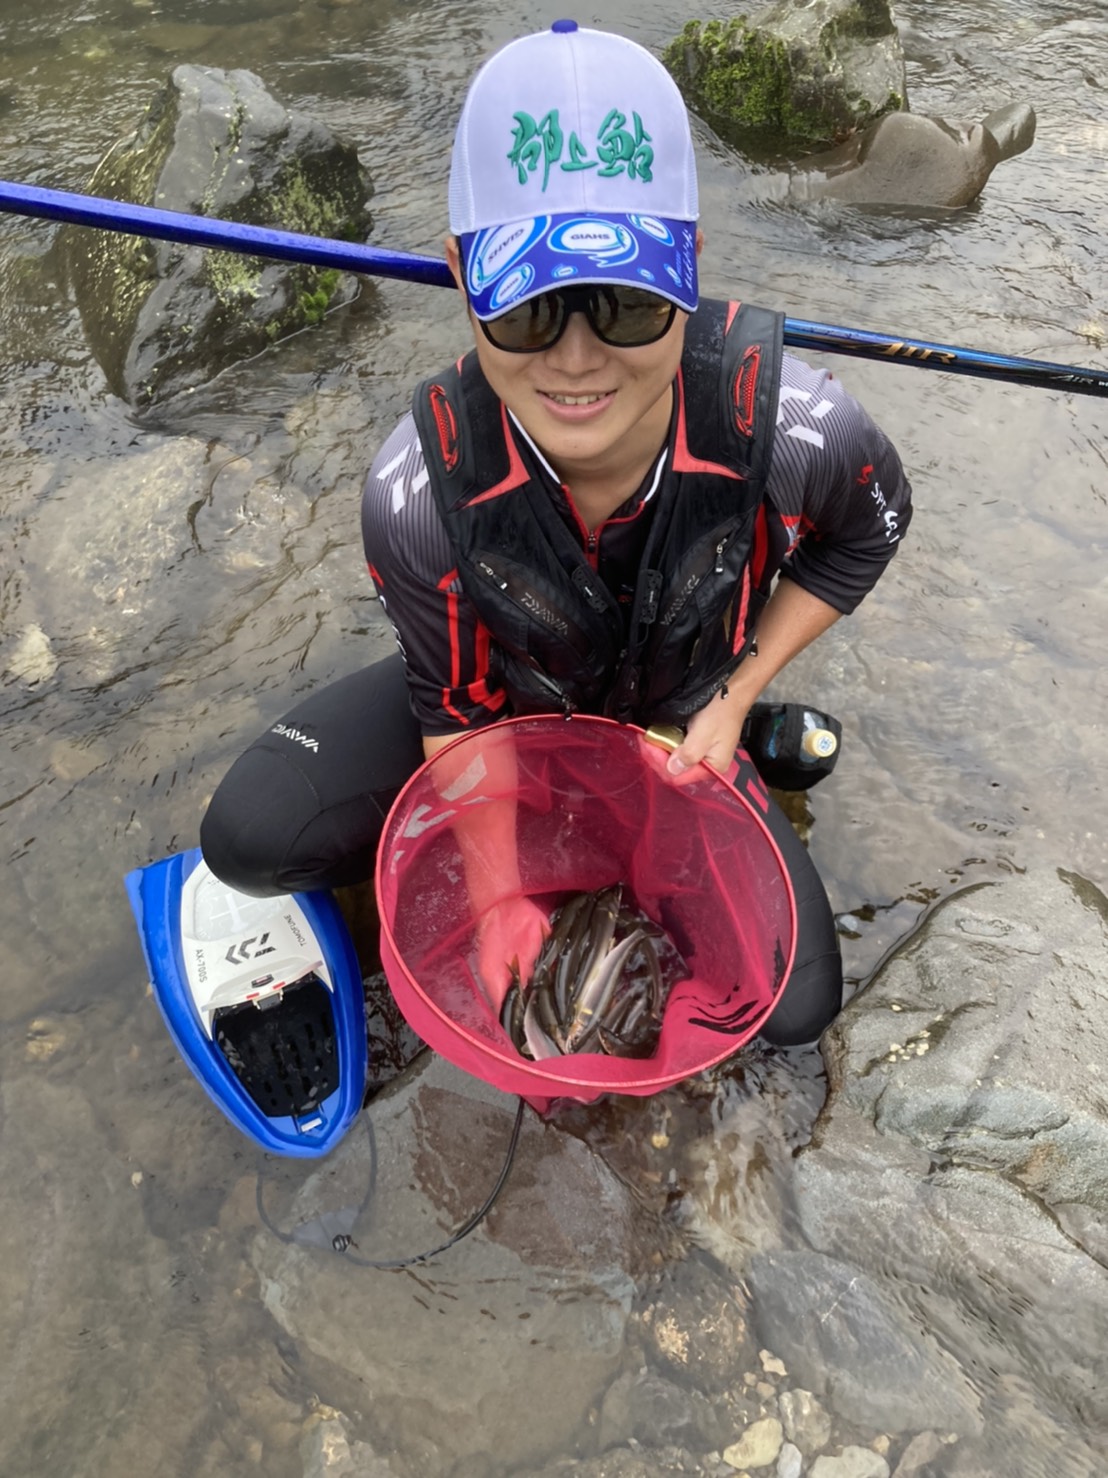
254 821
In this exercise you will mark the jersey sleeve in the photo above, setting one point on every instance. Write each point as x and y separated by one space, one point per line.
445 646
838 487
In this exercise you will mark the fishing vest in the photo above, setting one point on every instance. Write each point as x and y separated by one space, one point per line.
560 640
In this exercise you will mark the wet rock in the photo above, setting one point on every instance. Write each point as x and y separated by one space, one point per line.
658 1413
804 1420
160 317
790 1464
31 657
910 159
538 1295
924 1449
695 1327
840 1332
966 1103
852 1462
758 1447
622 1462
794 73
327 1452
770 1363
90 1300
1002 987
45 1038
98 581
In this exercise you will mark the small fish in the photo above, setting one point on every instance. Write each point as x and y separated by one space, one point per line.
540 1043
597 992
602 928
512 1006
568 967
599 983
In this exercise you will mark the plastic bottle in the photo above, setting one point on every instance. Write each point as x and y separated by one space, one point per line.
792 746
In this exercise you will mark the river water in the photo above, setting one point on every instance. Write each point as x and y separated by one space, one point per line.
170 587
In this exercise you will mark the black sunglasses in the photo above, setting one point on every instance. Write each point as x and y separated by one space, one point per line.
622 317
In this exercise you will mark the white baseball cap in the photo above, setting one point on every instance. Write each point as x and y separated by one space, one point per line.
573 162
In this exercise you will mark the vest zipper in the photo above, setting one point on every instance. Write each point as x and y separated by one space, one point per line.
695 578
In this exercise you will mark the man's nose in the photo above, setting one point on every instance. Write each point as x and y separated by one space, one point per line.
578 347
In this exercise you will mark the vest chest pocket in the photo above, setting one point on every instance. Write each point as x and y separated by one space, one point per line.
695 635
543 628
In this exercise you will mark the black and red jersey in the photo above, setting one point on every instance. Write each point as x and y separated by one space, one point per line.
835 506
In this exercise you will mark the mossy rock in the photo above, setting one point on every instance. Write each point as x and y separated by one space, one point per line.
162 317
795 77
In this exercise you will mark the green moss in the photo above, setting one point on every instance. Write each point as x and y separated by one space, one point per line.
233 278
316 297
299 204
744 78
752 83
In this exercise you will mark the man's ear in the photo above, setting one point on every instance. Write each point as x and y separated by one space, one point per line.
454 260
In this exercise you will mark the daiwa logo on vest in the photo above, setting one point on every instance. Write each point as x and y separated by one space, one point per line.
296 736
532 603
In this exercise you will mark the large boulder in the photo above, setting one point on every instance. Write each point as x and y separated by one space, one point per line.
908 159
526 1316
799 73
161 317
947 1264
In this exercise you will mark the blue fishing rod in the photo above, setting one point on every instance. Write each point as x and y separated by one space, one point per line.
320 251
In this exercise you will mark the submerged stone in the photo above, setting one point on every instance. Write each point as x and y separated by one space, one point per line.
161 317
793 74
908 159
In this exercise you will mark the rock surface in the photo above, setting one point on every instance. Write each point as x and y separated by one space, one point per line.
161 317
793 73
908 159
964 1145
539 1295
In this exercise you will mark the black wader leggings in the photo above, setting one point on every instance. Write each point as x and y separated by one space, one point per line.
304 807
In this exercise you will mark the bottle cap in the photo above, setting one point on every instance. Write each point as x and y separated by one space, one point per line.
820 744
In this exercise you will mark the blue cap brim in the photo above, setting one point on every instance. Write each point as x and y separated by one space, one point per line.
506 265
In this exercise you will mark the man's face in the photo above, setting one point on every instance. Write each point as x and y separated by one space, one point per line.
589 406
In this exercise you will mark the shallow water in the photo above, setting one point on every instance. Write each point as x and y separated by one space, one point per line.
170 587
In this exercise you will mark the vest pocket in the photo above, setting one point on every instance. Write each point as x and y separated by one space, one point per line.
540 616
694 642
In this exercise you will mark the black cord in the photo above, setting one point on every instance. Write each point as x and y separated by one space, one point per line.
342 1242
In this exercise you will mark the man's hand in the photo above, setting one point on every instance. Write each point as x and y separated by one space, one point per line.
712 735
791 621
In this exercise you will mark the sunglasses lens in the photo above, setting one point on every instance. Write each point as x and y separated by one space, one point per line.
533 325
624 317
627 317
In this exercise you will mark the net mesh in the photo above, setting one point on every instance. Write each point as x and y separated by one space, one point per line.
592 806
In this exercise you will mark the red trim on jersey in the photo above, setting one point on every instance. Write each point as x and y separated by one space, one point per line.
455 644
740 620
759 547
374 576
478 689
732 311
790 522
